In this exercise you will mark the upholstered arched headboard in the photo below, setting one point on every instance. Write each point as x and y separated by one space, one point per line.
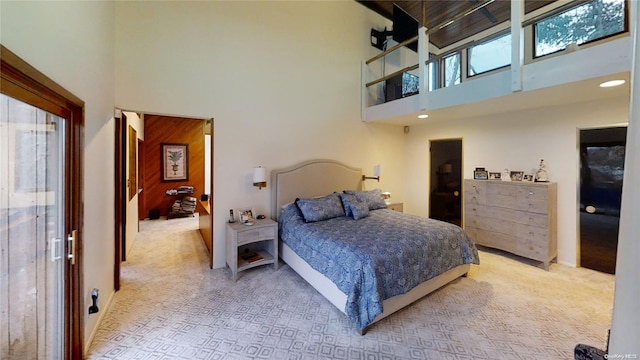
309 179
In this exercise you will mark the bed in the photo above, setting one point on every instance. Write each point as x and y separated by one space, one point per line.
369 263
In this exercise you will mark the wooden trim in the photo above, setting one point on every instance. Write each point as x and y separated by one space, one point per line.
211 197
23 82
132 182
118 200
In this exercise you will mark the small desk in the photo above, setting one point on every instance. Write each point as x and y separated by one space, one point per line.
204 223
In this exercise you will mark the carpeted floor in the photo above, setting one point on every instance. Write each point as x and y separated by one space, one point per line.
172 306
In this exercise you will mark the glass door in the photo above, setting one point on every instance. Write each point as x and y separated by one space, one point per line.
32 232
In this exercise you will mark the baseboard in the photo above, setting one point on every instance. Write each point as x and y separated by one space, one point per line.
103 311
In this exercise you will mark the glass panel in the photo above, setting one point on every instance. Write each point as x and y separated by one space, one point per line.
452 70
410 84
490 55
31 218
588 22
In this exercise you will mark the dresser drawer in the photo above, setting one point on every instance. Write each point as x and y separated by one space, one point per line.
533 192
533 198
492 224
539 206
536 250
496 240
494 212
503 195
475 192
533 234
529 218
258 234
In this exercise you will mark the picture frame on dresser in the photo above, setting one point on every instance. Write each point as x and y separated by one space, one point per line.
495 176
516 175
480 174
246 215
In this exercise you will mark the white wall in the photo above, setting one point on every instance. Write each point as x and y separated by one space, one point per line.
72 43
517 141
625 327
281 79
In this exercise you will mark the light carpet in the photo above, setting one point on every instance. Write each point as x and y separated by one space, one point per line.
172 306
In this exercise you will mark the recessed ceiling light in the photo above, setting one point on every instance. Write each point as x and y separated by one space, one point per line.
423 116
612 83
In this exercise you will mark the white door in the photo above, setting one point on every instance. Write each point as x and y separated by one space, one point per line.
32 236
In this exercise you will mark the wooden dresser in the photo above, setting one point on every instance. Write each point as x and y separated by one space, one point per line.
514 216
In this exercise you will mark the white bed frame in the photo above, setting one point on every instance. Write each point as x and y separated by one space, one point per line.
321 177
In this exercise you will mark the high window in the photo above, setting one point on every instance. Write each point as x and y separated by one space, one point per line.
490 55
452 69
590 21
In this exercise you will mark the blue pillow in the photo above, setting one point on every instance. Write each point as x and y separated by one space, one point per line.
321 208
373 198
360 209
347 200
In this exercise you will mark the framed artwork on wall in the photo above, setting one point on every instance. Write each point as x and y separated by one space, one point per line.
175 162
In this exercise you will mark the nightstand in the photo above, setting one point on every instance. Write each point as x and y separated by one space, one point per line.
395 206
260 239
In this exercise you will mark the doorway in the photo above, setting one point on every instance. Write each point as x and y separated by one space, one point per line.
41 178
153 193
445 200
602 153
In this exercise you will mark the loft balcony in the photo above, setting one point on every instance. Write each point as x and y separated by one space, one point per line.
399 84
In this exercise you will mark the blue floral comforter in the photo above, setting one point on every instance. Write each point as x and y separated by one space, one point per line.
377 257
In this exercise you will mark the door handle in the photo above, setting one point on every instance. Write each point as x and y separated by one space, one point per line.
71 242
53 249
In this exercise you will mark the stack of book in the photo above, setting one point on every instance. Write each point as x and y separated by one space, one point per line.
251 256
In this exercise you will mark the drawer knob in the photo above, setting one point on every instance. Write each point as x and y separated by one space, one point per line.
530 192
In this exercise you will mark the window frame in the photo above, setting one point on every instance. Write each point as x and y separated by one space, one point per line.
443 69
492 38
534 54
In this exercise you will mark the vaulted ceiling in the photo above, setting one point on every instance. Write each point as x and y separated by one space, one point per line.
433 13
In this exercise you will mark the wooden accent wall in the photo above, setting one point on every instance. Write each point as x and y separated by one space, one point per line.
160 129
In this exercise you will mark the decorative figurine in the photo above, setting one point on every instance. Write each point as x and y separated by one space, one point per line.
506 175
542 175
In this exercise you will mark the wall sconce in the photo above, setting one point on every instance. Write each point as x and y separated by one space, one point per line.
377 171
259 177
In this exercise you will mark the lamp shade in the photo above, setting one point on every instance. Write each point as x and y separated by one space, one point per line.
259 175
377 170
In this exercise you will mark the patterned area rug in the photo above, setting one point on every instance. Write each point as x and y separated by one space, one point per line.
172 306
